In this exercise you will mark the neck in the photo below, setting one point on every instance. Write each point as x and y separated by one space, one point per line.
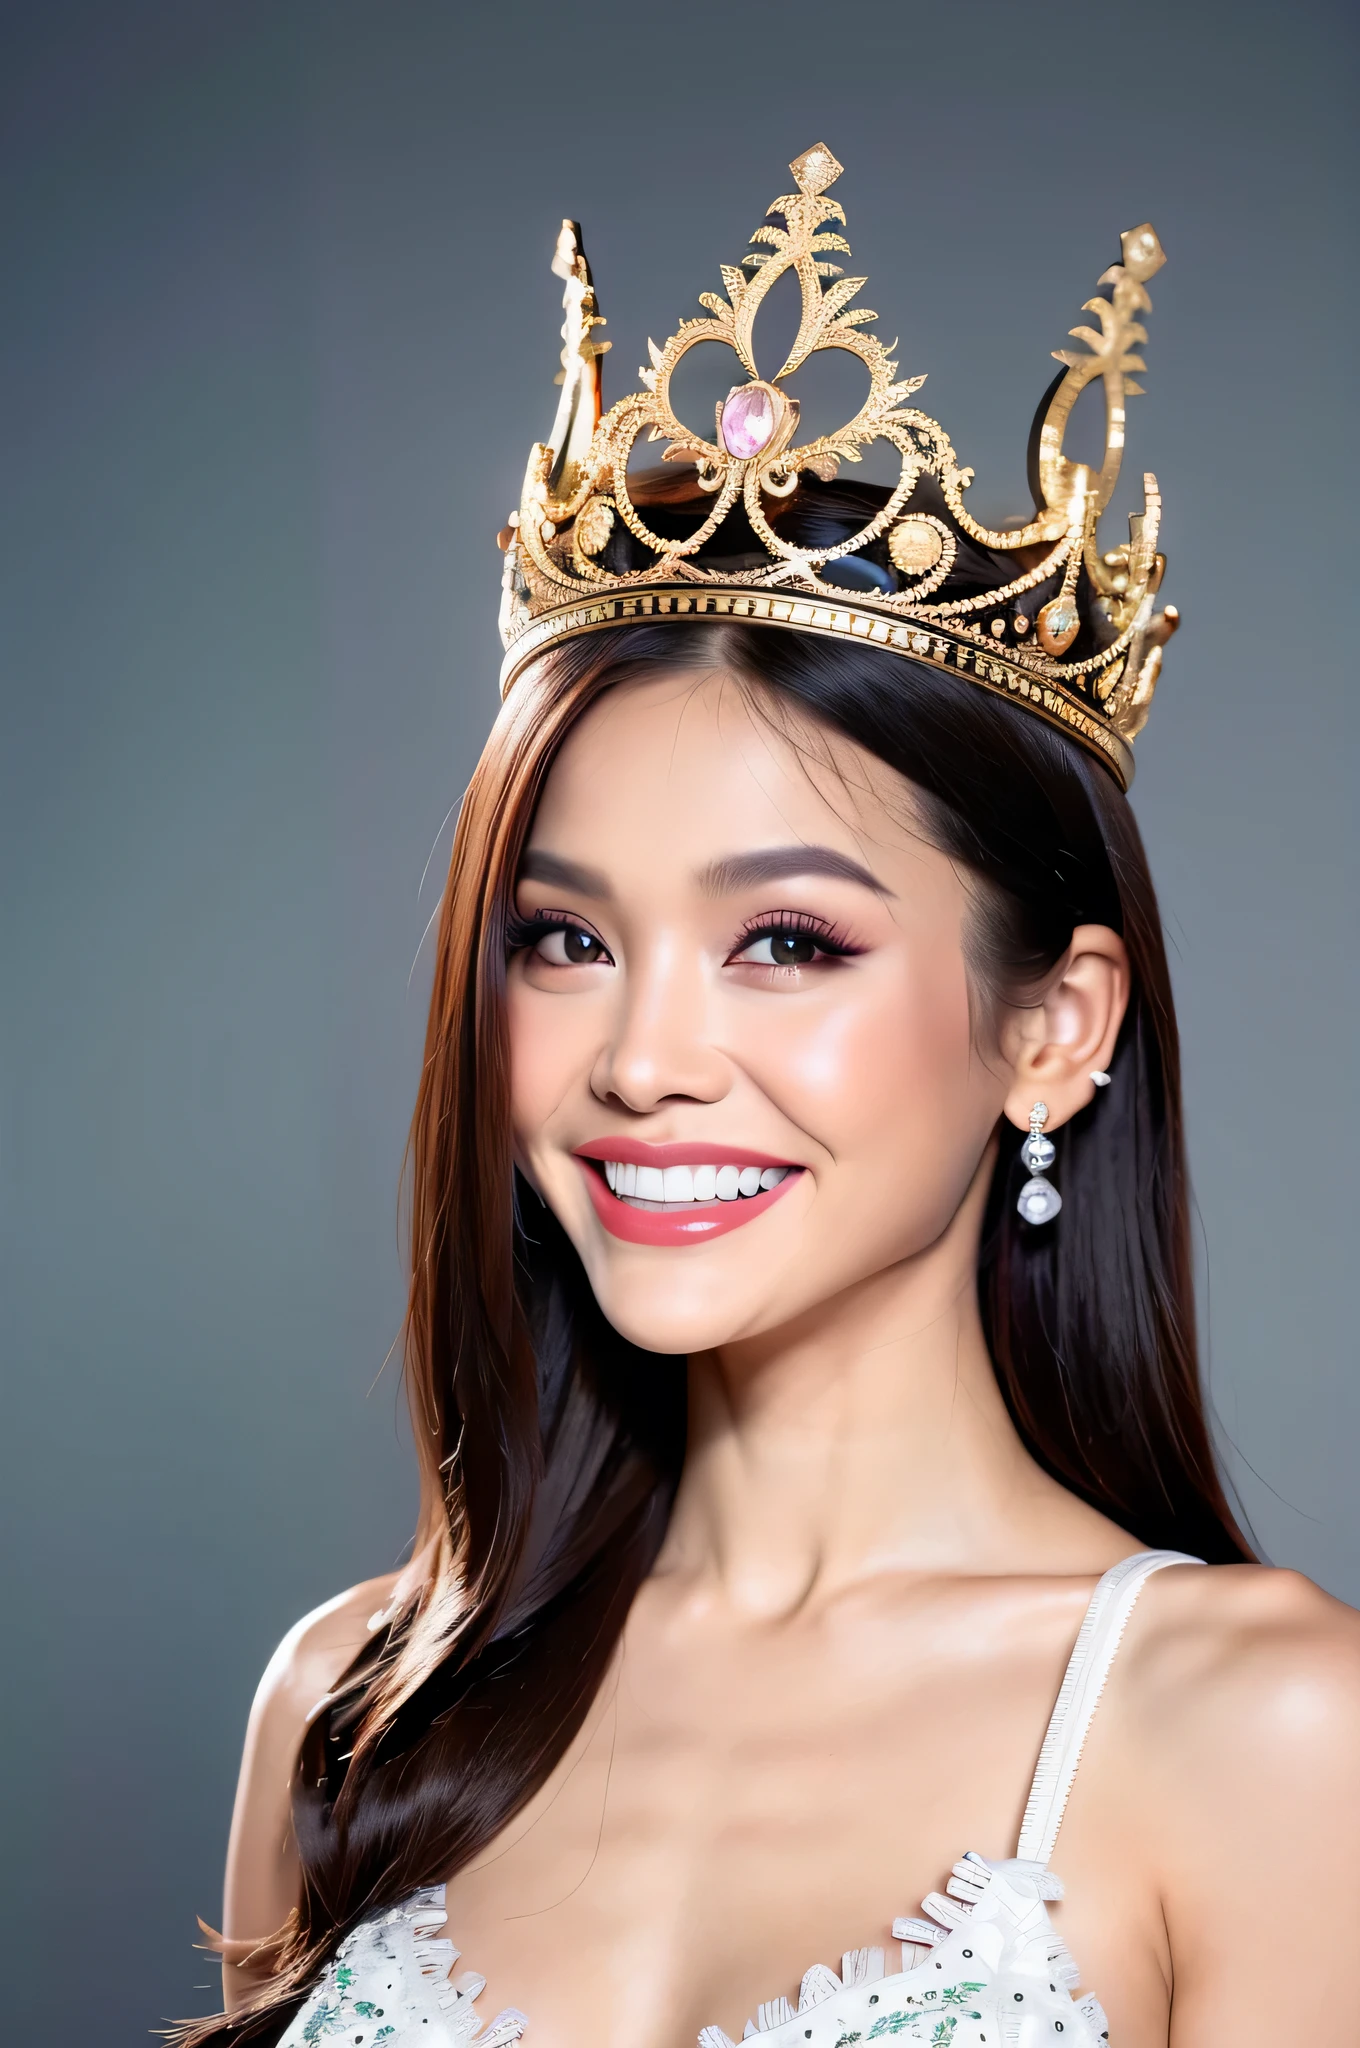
868 1436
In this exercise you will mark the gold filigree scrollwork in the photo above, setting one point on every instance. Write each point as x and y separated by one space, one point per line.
795 237
576 489
556 487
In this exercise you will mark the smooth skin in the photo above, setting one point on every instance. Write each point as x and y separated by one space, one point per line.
838 1675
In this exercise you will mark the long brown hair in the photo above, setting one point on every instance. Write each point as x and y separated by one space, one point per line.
550 1448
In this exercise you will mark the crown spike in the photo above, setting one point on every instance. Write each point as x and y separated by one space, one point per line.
1109 356
579 408
815 170
1143 254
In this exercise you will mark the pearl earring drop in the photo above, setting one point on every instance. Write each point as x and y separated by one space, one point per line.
1039 1200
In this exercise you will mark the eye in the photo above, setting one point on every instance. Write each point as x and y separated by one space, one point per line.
558 942
781 949
790 940
568 945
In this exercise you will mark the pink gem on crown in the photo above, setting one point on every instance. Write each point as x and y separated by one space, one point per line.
748 420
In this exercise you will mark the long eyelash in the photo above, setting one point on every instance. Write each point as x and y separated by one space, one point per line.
777 923
522 932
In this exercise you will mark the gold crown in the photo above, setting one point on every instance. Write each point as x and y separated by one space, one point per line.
1064 630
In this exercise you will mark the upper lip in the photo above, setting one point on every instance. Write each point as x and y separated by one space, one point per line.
635 1152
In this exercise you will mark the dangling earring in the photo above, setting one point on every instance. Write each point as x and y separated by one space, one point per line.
1039 1200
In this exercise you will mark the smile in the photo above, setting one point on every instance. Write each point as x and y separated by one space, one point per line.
679 1194
677 1186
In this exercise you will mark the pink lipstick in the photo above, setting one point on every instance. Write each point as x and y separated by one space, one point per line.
679 1193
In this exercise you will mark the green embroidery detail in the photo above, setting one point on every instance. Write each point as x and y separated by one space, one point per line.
950 1994
327 2019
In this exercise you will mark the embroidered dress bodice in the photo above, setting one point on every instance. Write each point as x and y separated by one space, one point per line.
982 1968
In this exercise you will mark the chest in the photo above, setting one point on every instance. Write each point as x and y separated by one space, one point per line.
735 1812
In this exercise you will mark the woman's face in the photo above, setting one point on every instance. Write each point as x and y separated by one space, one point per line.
744 1074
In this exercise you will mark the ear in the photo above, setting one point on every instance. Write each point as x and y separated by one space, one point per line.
1055 1046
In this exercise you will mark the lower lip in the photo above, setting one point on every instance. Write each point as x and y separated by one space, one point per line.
696 1224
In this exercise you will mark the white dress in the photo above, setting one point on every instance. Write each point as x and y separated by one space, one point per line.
983 1968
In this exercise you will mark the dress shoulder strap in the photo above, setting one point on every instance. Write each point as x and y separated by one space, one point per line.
1083 1682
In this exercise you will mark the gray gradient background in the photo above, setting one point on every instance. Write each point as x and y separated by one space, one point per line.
278 329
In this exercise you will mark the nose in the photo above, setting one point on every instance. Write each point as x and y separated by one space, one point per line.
658 1049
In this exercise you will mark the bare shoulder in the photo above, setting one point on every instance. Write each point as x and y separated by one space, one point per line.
1231 1762
1264 1637
317 1650
303 1670
262 1873
1244 1680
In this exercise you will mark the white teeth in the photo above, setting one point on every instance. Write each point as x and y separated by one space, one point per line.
690 1183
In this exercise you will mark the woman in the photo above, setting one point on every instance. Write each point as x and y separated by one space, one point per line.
789 1424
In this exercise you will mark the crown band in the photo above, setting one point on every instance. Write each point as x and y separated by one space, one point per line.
835 620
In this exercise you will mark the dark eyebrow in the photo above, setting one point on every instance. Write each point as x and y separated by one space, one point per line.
538 865
774 863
